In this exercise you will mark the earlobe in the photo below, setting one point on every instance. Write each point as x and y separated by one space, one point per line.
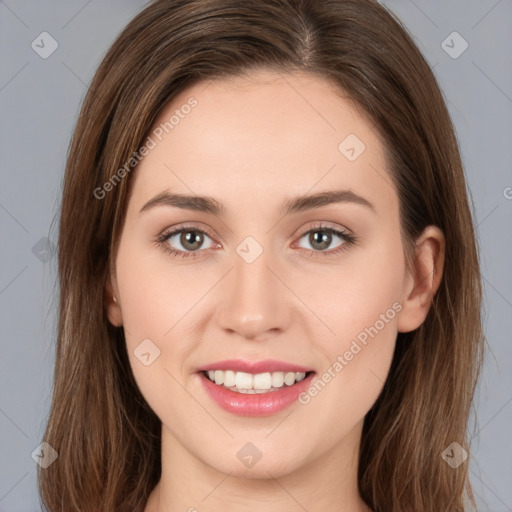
421 286
113 308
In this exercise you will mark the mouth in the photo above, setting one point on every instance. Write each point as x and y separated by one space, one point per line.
254 388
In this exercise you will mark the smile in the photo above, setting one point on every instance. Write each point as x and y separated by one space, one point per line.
250 388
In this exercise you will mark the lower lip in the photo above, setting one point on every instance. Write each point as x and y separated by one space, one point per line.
257 404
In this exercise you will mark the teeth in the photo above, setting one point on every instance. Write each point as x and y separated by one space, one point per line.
289 378
242 380
219 377
259 383
262 381
229 378
277 379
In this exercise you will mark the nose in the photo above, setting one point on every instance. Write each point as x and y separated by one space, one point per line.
255 303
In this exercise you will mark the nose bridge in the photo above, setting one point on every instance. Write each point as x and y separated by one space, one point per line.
255 301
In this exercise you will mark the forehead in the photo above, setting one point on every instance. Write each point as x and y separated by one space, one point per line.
260 138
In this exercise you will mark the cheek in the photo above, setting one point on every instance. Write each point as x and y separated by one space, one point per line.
147 317
158 302
156 293
365 292
360 305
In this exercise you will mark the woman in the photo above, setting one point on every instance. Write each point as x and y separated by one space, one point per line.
270 293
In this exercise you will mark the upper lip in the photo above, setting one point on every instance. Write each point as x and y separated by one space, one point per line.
266 365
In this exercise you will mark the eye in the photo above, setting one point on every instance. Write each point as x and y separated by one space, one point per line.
188 239
321 238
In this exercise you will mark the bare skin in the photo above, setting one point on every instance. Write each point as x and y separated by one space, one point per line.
252 144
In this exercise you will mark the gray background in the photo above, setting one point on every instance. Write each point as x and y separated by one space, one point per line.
39 101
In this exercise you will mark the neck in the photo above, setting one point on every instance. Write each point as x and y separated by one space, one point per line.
327 483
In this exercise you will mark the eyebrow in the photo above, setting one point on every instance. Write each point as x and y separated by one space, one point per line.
293 205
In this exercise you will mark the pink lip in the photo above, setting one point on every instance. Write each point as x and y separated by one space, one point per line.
267 365
260 404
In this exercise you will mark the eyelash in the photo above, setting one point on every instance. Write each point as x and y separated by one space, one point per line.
160 241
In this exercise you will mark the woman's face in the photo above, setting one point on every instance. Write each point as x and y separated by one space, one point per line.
263 278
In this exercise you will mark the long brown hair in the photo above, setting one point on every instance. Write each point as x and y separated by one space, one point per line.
106 435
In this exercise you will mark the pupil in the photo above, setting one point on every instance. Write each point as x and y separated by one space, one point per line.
324 239
188 238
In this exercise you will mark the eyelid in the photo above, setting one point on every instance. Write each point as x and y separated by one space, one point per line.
319 225
345 234
326 225
182 227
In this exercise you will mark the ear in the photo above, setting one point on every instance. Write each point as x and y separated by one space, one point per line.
112 306
422 283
